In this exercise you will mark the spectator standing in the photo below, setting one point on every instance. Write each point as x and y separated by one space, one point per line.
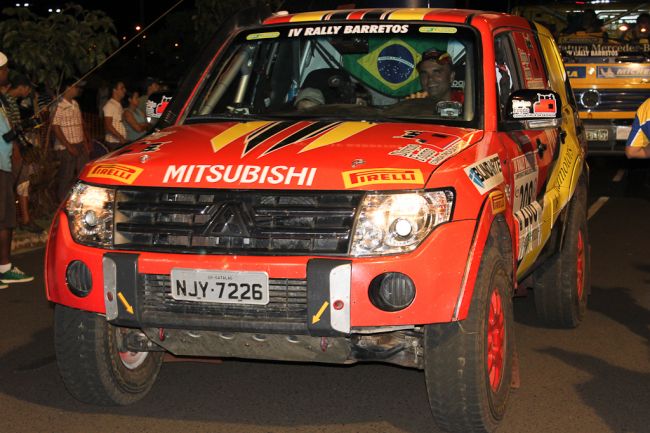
638 142
135 121
19 88
22 169
151 86
71 144
113 125
8 272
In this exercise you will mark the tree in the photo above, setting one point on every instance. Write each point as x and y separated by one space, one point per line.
210 14
59 45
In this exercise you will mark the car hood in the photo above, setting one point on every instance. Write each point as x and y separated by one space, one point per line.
284 155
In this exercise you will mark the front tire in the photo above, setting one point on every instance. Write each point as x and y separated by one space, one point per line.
468 364
93 369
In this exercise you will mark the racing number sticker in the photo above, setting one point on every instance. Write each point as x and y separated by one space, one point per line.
529 220
525 180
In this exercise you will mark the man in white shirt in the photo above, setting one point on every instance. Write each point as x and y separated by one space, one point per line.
115 131
71 144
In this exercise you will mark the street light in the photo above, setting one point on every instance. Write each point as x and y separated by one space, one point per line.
138 28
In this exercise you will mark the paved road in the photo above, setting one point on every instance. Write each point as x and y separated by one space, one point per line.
593 379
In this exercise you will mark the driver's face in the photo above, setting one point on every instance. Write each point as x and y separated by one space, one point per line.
436 79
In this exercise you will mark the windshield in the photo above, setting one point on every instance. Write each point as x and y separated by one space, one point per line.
373 72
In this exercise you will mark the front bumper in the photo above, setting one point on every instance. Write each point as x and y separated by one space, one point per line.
130 288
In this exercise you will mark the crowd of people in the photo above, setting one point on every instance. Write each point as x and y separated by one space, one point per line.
123 120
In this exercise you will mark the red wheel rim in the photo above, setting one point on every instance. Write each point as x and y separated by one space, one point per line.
580 265
495 340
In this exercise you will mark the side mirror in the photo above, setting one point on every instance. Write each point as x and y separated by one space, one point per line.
156 104
539 109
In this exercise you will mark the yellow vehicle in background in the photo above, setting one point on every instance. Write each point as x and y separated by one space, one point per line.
606 49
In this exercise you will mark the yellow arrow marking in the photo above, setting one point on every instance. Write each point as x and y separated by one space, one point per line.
128 306
316 318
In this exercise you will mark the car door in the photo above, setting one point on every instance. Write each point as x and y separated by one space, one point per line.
532 151
561 182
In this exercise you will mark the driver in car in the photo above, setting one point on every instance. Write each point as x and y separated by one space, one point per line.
436 76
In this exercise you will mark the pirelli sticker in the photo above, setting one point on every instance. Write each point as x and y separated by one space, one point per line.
118 172
382 176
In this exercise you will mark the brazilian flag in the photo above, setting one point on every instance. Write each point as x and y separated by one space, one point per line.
389 65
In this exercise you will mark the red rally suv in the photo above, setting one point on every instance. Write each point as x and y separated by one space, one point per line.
311 195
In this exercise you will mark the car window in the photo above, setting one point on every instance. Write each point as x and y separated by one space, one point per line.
508 78
530 60
557 74
356 72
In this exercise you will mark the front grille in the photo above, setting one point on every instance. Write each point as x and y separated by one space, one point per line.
613 100
234 222
287 306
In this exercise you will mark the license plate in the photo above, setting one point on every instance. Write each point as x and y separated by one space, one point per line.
597 134
224 287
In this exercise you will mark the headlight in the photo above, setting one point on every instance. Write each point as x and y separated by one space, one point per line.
90 211
397 223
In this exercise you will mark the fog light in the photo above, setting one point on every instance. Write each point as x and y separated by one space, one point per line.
79 279
392 291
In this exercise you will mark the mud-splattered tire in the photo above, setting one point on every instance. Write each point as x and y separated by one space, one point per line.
92 368
562 284
468 364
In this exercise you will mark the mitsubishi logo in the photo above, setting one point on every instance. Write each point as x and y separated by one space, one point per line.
228 220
